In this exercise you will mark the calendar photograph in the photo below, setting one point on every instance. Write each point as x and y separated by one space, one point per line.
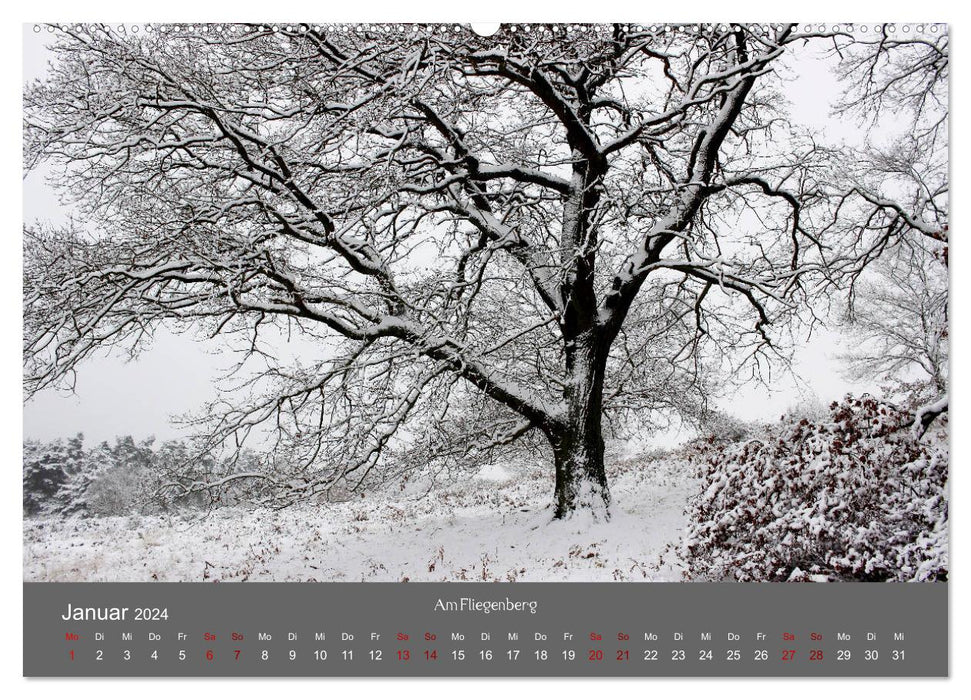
516 304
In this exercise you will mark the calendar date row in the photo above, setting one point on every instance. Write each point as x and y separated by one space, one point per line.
405 655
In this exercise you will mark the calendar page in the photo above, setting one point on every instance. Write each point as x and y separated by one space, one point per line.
485 350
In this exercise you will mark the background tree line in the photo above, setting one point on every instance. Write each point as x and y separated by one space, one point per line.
63 477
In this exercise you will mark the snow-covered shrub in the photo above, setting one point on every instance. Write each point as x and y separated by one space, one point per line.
119 490
77 491
857 497
62 478
717 426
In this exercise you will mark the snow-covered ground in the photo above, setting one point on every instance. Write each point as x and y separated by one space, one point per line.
493 527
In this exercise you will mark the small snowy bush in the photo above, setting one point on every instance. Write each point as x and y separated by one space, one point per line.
857 497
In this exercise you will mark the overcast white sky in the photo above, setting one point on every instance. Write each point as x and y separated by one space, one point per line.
177 374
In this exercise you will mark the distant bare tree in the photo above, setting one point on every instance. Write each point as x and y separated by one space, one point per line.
494 239
899 312
899 321
901 81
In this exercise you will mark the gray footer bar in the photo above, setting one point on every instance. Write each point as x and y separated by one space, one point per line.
484 629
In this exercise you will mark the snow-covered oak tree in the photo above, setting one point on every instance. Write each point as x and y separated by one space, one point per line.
520 237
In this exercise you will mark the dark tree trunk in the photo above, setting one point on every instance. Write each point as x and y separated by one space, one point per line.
578 446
